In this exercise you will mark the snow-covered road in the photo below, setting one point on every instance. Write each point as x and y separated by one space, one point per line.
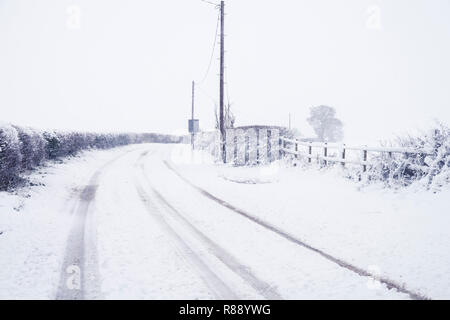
135 226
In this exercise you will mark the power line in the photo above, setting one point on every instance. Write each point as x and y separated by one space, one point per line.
216 103
212 53
214 4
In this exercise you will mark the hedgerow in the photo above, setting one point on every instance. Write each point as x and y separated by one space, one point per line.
23 149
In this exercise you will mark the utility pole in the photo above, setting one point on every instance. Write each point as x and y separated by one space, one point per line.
193 103
222 67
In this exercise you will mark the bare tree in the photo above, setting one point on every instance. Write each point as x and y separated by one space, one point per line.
325 124
230 118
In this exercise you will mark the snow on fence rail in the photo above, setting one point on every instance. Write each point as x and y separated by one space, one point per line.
256 145
325 158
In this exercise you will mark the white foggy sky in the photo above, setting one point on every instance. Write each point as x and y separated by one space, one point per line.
130 65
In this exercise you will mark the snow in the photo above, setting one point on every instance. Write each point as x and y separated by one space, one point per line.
34 223
137 259
401 234
295 273
151 235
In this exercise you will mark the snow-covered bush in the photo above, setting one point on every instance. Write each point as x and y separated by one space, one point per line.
32 147
25 148
39 152
25 136
52 145
428 167
207 141
431 168
10 156
100 141
438 164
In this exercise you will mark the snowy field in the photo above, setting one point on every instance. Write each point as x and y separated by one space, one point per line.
136 224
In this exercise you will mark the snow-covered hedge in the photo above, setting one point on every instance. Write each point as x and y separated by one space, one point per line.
26 148
32 147
10 156
427 170
431 170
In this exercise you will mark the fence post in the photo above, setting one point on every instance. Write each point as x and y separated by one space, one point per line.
282 144
310 153
325 154
296 149
365 160
343 155
263 146
391 173
235 149
240 151
275 145
253 146
257 147
247 150
230 145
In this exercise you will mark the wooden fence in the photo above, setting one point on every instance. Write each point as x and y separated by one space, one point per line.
324 154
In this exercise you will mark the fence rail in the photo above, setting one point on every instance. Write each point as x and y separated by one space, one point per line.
325 158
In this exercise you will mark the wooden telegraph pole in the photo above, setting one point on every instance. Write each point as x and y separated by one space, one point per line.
222 85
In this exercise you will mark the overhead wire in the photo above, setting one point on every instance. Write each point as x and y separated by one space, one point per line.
215 4
212 54
199 83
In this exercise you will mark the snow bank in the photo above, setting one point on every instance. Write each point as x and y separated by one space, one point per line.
35 223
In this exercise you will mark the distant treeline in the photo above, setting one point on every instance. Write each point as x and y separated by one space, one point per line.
23 148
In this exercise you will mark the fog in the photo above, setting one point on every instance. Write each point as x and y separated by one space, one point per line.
115 65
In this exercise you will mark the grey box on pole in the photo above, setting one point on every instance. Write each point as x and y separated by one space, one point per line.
194 126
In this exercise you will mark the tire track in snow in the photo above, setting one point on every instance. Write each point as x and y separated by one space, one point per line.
218 287
390 284
262 288
80 266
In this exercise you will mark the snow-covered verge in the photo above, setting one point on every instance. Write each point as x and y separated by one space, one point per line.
139 244
24 148
401 234
428 166
35 221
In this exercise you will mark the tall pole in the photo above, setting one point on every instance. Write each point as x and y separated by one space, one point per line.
193 103
222 67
